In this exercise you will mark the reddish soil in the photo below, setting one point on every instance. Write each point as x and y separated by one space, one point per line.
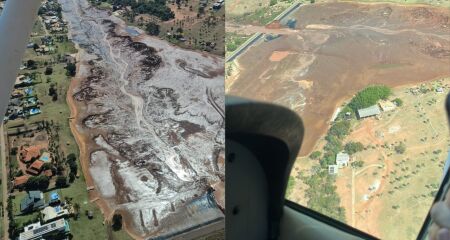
278 56
366 44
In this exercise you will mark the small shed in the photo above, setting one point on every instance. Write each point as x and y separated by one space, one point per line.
333 169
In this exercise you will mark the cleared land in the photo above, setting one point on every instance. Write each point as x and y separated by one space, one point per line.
338 49
148 118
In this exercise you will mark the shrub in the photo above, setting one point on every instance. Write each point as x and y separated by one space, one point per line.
61 182
353 147
400 148
315 155
71 69
48 71
117 222
152 29
398 102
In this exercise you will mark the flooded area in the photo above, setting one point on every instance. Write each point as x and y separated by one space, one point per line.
152 128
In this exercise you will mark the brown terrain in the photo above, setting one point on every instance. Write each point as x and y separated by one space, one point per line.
336 50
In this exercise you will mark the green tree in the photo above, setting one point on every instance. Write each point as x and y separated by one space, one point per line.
61 182
48 71
40 182
369 96
71 69
315 155
116 222
400 148
353 147
340 129
398 102
152 29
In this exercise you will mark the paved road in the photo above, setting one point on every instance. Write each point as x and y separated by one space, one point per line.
4 183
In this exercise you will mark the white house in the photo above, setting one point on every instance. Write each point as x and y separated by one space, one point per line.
342 159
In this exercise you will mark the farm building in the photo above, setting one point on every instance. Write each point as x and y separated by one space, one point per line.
333 169
369 112
342 159
387 106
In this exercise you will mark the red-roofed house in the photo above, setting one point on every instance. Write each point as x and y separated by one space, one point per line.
29 153
36 167
20 181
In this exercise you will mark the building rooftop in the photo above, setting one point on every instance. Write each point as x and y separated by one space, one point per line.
51 213
33 200
28 153
387 105
333 169
342 158
37 233
37 165
368 112
18 181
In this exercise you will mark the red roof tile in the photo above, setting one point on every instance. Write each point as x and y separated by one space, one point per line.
20 180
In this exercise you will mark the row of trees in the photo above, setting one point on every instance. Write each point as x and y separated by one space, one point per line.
369 96
156 8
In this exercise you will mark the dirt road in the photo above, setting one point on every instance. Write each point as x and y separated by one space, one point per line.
4 183
252 29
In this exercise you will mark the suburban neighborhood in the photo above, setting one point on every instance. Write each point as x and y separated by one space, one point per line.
46 192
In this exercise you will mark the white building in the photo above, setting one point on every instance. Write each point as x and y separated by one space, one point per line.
333 169
387 106
342 159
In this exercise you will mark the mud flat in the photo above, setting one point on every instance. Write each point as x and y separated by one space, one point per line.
338 49
148 117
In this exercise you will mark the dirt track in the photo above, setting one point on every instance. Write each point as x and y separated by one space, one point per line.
340 48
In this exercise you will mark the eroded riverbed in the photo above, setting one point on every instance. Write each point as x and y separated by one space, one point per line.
149 121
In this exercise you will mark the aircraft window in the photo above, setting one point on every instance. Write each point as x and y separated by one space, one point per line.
376 136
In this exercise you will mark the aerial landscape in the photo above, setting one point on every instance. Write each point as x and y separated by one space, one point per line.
369 80
113 131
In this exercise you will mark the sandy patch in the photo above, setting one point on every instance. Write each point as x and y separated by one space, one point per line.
278 56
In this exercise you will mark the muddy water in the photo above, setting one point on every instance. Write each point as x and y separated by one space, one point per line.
149 126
